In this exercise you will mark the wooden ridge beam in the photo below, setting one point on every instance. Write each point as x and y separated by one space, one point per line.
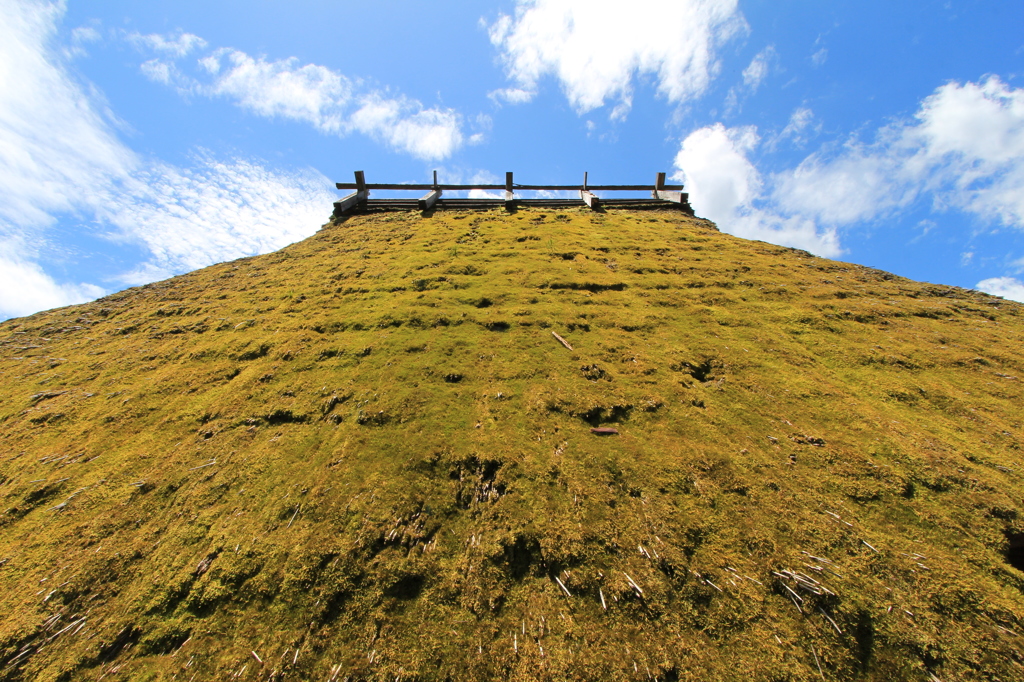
527 187
660 192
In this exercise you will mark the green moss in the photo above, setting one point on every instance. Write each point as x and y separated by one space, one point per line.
369 448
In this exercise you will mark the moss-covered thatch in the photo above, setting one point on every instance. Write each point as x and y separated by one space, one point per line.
366 456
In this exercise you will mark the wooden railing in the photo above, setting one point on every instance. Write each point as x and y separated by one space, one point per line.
359 199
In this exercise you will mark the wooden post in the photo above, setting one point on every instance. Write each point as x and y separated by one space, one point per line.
350 201
431 197
665 195
509 196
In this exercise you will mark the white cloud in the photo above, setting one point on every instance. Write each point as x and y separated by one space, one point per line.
725 187
85 34
513 95
55 148
819 57
759 66
801 123
403 124
25 288
308 93
1007 287
755 73
964 149
160 71
60 161
853 186
178 44
597 48
971 136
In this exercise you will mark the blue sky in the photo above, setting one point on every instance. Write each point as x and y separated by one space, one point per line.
142 140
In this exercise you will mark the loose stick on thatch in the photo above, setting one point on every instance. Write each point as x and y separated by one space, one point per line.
564 588
562 341
603 605
633 583
830 620
816 662
182 646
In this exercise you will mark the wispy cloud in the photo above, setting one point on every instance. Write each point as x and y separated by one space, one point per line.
801 127
756 72
60 161
963 149
596 49
187 218
329 101
759 66
177 44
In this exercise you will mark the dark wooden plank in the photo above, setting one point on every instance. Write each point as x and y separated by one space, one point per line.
596 187
659 183
417 186
360 181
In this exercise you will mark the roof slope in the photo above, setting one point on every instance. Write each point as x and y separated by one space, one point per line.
367 456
